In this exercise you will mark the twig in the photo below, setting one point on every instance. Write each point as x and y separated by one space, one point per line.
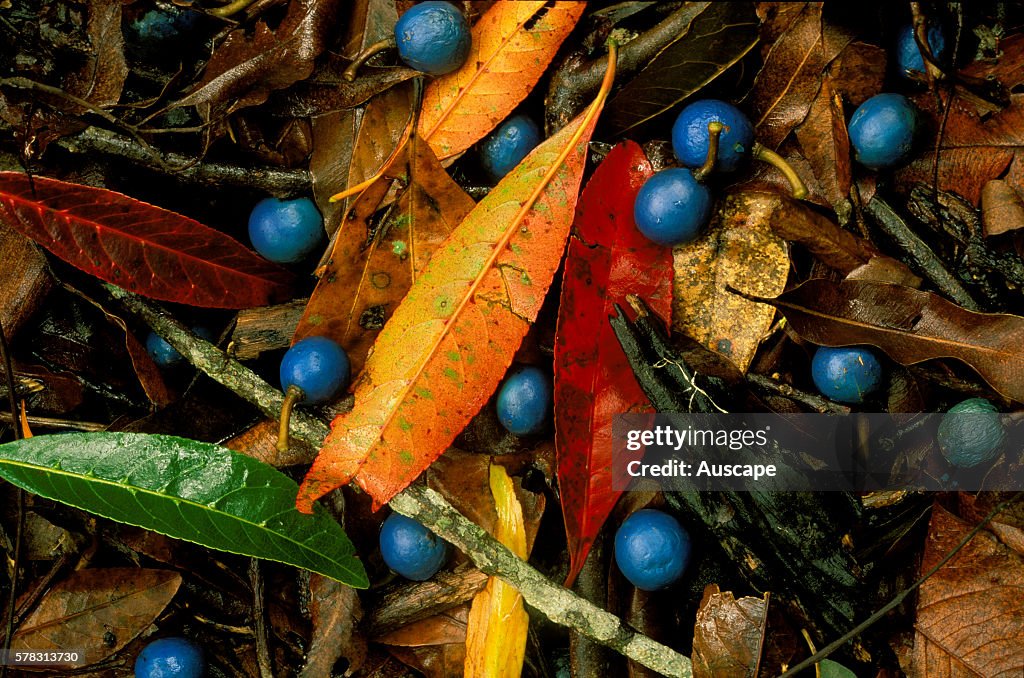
900 597
924 259
32 85
553 601
556 603
413 601
51 422
259 622
815 402
273 180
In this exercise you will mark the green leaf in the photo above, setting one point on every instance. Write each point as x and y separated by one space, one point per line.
716 38
185 489
831 669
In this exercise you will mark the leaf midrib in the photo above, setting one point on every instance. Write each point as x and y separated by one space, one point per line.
103 481
100 227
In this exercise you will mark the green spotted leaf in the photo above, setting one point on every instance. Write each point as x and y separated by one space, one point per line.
184 489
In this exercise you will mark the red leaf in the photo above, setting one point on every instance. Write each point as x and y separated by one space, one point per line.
608 258
137 246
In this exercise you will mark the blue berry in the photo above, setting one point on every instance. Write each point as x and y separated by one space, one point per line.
690 134
170 658
285 231
908 54
410 549
882 131
433 37
316 365
524 401
971 433
846 375
652 549
508 145
164 354
157 27
672 207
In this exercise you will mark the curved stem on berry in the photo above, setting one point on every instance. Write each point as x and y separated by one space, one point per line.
293 395
349 74
230 8
714 132
778 162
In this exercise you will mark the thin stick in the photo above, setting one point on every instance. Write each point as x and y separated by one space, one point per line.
349 74
259 619
769 156
714 134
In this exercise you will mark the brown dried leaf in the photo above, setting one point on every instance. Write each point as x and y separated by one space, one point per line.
910 326
728 634
341 140
887 270
246 68
464 480
833 246
1001 208
791 76
858 73
102 77
433 661
25 279
974 150
776 18
441 629
1007 69
335 612
737 250
365 281
83 611
260 442
970 614
826 146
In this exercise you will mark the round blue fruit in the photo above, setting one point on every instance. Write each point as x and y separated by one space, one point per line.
285 231
908 54
433 37
652 549
316 365
164 354
508 145
170 658
846 375
690 134
882 131
158 27
524 401
672 207
971 433
410 549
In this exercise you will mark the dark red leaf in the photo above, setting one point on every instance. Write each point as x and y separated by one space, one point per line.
140 247
608 258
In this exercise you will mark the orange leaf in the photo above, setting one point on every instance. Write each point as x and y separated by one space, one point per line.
363 284
512 45
448 344
498 623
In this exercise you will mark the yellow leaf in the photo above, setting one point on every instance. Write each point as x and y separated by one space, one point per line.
497 627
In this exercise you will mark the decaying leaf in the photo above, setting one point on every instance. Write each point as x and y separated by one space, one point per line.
498 623
449 342
1002 209
718 35
367 276
247 67
335 612
91 607
910 326
970 614
826 145
513 43
728 634
739 251
791 76
830 244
